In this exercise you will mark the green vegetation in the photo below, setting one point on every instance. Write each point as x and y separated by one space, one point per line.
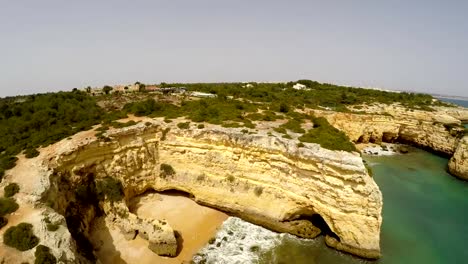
185 125
327 136
52 227
258 190
11 189
120 125
166 170
109 188
3 222
107 89
20 237
201 126
43 255
230 178
29 122
31 153
7 206
294 126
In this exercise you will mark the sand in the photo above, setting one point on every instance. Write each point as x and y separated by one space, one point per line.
195 223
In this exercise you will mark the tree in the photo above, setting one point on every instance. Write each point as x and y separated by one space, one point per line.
106 89
88 89
142 87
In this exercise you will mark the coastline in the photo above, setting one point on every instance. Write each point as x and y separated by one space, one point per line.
194 223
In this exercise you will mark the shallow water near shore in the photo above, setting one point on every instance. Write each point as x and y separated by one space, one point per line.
424 220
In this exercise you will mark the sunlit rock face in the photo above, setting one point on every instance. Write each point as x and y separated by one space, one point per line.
458 164
264 179
429 130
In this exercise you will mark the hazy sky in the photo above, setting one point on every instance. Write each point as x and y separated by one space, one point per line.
58 45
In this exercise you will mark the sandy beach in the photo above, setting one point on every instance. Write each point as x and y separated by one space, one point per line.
195 223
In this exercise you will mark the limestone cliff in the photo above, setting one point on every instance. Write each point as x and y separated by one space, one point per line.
264 179
435 131
458 164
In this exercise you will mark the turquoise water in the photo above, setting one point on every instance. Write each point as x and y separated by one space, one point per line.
425 216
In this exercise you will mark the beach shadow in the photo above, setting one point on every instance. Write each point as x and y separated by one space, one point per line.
180 241
105 243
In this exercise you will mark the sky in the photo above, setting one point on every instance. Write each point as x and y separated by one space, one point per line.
403 45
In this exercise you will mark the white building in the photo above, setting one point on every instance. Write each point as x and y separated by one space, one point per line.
299 86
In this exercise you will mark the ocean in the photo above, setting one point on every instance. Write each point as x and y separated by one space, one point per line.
463 103
425 217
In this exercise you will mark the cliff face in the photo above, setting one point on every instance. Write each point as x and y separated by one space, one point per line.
458 164
264 179
423 129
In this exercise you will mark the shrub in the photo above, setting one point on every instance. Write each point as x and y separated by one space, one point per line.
245 131
258 190
7 205
327 136
11 189
43 255
294 126
3 222
121 125
300 145
164 133
166 170
230 178
283 107
20 237
31 153
201 126
52 227
201 177
109 188
185 125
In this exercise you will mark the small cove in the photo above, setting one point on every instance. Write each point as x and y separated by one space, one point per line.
424 218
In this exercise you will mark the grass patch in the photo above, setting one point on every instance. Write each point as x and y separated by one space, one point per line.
20 237
11 189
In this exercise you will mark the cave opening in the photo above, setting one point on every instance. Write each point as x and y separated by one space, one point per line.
318 221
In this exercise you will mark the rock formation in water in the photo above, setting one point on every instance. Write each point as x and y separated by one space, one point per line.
458 164
264 179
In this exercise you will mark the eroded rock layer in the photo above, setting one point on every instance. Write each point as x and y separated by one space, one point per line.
436 132
264 179
458 164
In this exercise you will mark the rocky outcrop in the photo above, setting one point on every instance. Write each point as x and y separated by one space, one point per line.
458 164
264 179
435 131
157 232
